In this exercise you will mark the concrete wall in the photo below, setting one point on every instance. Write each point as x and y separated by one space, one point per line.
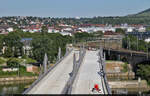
17 78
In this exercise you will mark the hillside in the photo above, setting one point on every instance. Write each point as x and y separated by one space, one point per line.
145 13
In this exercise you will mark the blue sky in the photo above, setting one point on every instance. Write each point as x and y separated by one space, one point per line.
71 8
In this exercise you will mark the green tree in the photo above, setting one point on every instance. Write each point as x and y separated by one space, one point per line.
120 31
147 28
12 62
13 43
2 60
143 71
80 37
49 44
42 45
8 52
133 42
44 30
30 60
98 34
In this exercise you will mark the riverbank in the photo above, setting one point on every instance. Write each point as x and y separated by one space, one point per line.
23 78
130 85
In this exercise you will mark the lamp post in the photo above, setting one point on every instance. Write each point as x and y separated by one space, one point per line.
139 81
137 43
18 67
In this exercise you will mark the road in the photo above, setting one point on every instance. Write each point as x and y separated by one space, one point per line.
55 81
88 75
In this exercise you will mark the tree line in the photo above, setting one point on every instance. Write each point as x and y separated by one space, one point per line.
40 44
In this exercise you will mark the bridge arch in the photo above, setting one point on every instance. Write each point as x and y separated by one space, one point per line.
124 59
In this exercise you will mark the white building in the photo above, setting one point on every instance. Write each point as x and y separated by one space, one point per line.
94 29
10 29
130 29
65 33
50 30
142 29
147 40
67 29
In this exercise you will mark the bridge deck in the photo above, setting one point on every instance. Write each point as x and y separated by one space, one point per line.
88 75
55 81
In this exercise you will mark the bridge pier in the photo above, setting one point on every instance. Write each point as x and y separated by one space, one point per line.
119 59
59 53
45 63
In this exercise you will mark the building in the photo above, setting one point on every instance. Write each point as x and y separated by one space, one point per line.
32 68
7 69
65 33
27 45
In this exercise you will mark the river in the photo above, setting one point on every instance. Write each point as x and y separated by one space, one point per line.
16 87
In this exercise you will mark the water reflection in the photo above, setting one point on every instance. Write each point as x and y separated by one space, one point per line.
15 87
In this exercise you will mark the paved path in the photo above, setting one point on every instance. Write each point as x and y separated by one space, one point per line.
88 75
55 81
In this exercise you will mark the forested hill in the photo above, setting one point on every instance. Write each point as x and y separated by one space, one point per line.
139 18
145 13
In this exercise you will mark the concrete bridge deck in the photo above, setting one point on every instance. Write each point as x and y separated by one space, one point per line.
55 80
88 75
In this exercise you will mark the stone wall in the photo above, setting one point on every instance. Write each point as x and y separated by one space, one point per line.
18 78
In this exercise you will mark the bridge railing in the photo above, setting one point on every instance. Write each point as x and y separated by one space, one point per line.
105 79
103 70
68 87
43 75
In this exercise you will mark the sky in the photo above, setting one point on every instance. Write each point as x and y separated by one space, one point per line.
72 8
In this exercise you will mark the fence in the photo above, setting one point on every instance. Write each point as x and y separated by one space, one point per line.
102 62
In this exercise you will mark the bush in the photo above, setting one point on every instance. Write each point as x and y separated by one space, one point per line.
2 61
13 62
125 67
24 56
30 60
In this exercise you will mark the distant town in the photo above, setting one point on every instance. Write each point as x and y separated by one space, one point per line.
34 24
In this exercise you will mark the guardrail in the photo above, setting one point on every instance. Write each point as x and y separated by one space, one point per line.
68 87
105 79
103 70
43 75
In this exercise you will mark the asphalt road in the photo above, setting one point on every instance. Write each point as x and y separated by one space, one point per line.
55 81
88 75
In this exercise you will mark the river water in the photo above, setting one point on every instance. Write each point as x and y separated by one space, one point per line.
15 87
18 87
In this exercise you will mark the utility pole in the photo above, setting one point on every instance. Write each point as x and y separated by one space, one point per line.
137 43
147 50
18 69
129 44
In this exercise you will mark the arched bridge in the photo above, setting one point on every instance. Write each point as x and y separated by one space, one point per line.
132 57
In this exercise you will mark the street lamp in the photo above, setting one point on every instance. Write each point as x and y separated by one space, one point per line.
137 43
139 81
18 67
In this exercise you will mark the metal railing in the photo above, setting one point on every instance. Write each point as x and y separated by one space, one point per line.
68 87
103 70
43 75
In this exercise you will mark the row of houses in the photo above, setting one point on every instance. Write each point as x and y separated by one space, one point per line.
69 30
